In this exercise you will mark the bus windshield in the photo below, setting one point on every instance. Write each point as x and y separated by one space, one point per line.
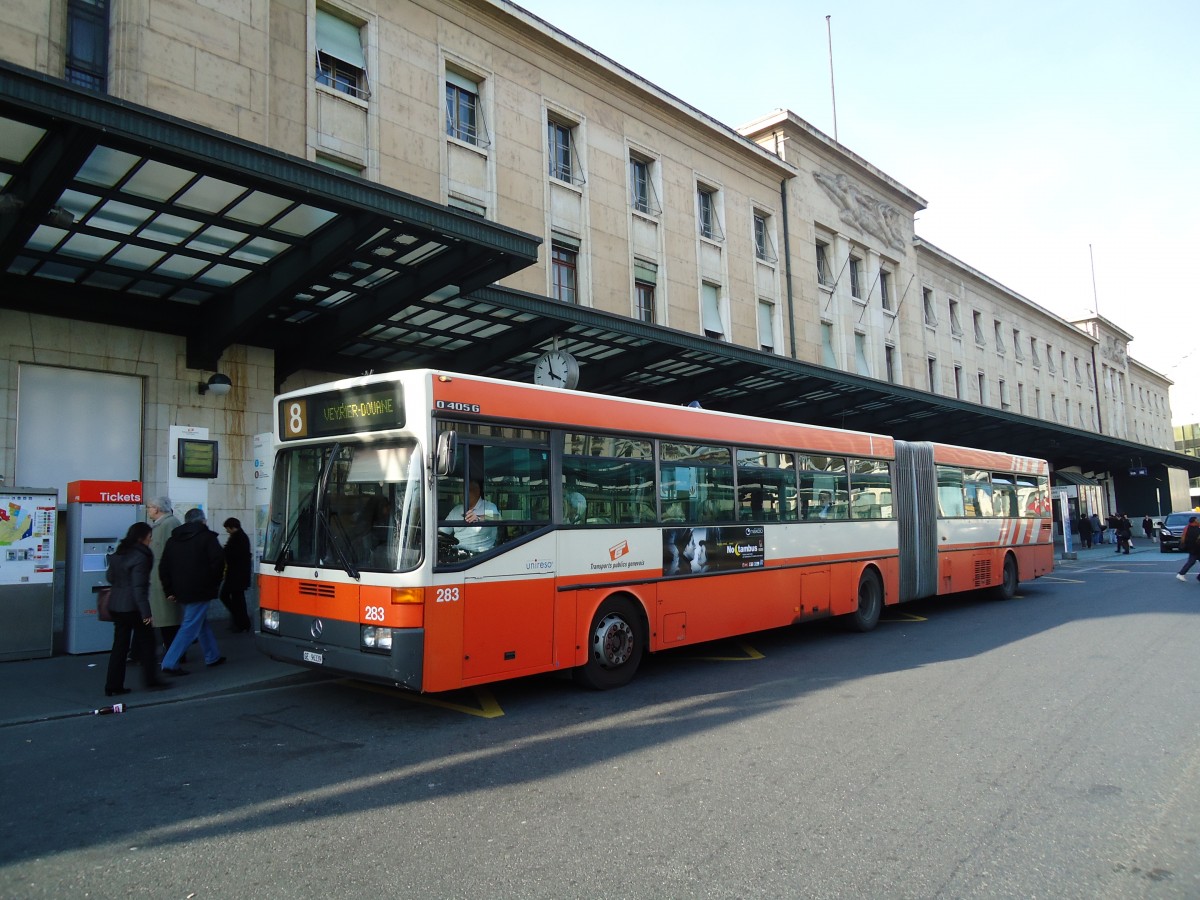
352 507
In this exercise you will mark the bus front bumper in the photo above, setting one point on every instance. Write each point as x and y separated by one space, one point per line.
402 667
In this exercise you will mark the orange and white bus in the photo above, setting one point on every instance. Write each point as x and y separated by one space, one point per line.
435 531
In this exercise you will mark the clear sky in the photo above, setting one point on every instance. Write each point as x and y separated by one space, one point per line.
1034 130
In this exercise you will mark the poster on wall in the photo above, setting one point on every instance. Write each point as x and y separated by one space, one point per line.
264 458
699 549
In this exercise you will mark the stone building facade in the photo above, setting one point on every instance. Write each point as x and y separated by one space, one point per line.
772 236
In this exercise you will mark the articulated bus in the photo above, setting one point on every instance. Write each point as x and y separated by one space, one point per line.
436 531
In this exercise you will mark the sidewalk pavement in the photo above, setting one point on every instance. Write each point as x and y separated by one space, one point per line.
36 690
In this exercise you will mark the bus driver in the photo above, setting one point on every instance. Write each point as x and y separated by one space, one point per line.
473 537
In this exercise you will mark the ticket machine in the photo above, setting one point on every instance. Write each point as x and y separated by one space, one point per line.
98 515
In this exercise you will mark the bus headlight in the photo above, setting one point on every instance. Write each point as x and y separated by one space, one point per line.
270 619
377 638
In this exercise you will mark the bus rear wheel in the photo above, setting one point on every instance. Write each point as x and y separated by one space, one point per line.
1007 588
870 603
616 642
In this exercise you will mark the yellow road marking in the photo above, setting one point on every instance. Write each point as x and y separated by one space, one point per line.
906 617
750 652
488 707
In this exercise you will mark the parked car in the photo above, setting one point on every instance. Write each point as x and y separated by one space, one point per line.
1171 530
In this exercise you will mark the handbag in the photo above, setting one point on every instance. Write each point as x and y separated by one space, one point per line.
103 595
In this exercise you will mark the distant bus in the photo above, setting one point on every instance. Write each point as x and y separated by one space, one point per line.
436 531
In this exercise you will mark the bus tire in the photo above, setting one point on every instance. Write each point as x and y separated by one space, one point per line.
1009 578
616 642
870 602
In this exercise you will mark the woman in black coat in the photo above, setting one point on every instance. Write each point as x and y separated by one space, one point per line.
129 603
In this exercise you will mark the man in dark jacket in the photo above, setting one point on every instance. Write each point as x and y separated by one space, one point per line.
190 571
237 575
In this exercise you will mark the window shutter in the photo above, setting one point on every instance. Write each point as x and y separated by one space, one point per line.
645 271
462 81
340 39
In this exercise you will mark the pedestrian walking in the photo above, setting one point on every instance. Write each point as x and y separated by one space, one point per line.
1123 529
237 575
1084 527
190 572
161 513
129 604
1189 543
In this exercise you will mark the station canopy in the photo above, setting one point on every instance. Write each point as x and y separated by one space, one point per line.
115 213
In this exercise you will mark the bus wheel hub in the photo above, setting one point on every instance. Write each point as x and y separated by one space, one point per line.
612 643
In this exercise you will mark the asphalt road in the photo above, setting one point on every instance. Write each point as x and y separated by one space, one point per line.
1044 747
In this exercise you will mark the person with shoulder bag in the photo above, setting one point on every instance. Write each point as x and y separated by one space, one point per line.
1189 543
129 607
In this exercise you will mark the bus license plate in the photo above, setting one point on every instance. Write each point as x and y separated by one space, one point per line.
311 657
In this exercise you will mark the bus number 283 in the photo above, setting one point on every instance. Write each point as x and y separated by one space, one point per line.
447 595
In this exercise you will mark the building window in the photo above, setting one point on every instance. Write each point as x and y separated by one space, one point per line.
564 160
958 388
1078 373
955 322
641 186
1004 404
931 318
645 301
1033 353
828 356
87 44
855 277
1020 398
710 297
823 276
999 330
645 279
1062 358
982 384
1037 402
1017 351
464 116
341 64
1050 360
889 362
766 326
706 211
764 247
977 323
565 260
861 363
931 371
885 289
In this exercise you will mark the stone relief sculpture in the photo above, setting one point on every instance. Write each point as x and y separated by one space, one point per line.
866 213
1114 350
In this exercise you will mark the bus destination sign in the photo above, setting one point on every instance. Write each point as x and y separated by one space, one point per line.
341 412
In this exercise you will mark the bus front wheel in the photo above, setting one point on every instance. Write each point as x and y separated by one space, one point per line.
870 603
616 641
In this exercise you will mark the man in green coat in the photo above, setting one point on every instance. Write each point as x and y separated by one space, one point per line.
167 616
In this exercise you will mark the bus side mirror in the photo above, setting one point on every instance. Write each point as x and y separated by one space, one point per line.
447 445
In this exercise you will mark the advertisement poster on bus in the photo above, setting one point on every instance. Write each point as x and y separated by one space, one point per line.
708 548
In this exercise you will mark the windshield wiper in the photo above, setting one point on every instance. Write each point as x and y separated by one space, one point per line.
327 519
